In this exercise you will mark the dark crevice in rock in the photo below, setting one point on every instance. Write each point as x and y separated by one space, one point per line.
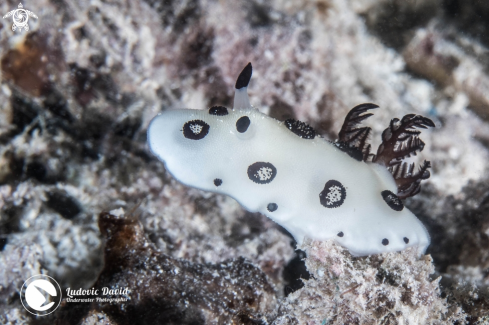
56 104
196 50
3 242
281 110
89 85
467 215
258 15
24 111
394 22
177 14
294 272
248 227
10 217
472 17
63 203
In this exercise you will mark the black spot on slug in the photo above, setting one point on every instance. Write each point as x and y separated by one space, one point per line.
333 195
272 207
301 129
244 77
392 200
262 172
242 124
218 110
218 182
195 130
406 240
385 241
340 234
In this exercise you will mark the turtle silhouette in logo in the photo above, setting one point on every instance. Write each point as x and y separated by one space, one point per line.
20 17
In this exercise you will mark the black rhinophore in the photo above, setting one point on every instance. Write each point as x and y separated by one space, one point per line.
244 77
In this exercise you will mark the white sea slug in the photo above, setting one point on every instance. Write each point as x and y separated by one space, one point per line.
312 187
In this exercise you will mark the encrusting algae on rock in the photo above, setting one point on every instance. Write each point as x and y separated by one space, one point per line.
388 288
166 290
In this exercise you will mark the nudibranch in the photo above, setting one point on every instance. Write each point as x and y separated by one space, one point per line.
312 187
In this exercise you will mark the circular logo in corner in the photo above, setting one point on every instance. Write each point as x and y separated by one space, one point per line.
40 295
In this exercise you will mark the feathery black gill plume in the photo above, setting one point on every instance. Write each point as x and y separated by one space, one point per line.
353 140
409 183
400 140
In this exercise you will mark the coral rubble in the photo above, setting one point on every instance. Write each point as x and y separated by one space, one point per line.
166 290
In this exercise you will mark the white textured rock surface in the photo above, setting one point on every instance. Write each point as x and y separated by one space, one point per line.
19 262
387 288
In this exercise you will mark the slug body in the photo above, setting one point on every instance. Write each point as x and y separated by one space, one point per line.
311 187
